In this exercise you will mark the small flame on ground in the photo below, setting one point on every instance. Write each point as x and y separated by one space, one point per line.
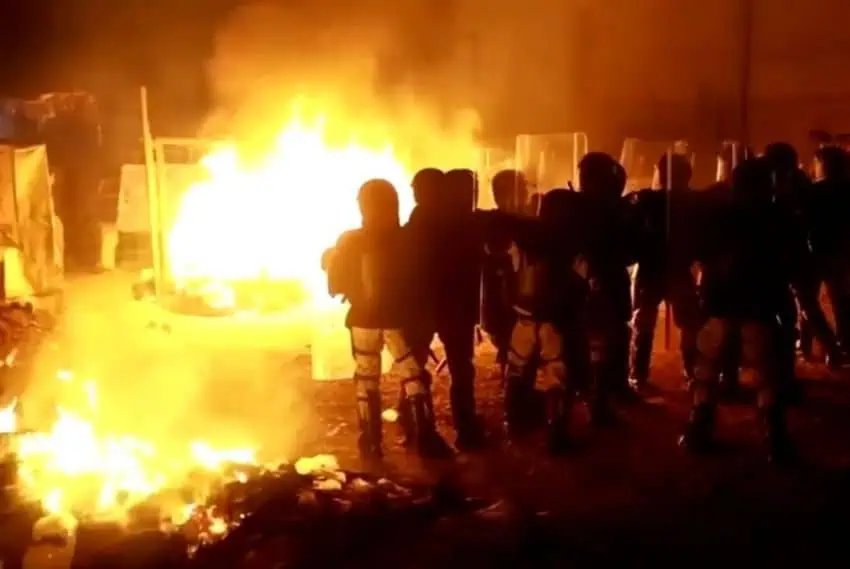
74 468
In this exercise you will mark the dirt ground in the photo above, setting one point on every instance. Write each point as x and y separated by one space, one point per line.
628 496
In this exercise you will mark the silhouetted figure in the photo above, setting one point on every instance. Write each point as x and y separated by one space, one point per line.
548 333
607 248
367 267
669 215
830 232
449 251
754 255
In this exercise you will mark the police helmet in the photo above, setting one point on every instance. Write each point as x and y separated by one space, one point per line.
510 189
378 201
426 185
834 162
601 173
782 157
752 180
680 170
462 189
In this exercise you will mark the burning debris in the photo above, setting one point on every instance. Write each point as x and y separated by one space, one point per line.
120 501
308 512
22 328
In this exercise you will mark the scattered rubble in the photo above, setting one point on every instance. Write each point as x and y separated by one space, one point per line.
22 332
307 513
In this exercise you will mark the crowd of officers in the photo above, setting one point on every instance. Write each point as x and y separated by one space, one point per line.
741 263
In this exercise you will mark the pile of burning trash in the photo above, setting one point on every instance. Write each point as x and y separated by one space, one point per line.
20 329
307 513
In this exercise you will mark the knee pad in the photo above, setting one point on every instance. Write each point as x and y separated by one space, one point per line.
367 365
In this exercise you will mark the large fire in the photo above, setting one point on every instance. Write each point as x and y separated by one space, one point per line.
265 217
269 218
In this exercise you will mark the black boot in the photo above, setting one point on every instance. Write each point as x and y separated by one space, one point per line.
635 392
805 344
429 443
404 420
698 435
689 360
641 356
599 405
730 385
777 441
836 359
517 404
369 415
792 393
558 417
601 413
470 434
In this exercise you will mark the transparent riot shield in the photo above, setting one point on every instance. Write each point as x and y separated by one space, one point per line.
491 161
639 158
736 147
550 160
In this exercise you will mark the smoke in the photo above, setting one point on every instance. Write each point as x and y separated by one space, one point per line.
170 379
418 79
368 76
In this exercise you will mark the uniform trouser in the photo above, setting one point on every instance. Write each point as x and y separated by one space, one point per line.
553 348
498 327
760 350
838 290
608 346
813 321
680 291
366 345
787 357
500 335
730 371
458 337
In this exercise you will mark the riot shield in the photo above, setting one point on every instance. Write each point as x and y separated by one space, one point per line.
735 147
489 162
550 160
639 158
824 138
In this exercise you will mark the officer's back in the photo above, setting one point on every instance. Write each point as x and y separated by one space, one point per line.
668 215
830 204
461 245
754 253
608 231
370 266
